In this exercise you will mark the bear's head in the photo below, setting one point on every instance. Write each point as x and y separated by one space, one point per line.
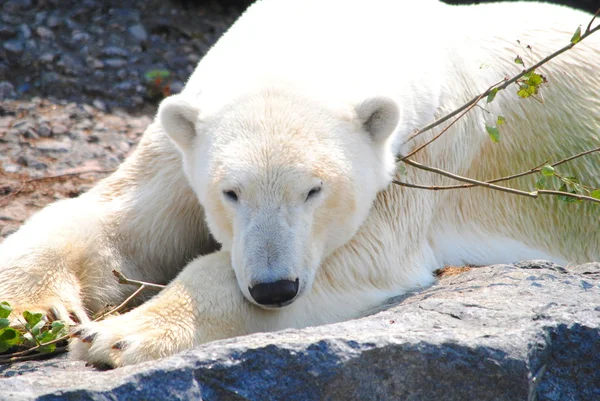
284 180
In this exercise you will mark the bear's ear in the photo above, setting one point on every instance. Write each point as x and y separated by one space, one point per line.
379 116
178 119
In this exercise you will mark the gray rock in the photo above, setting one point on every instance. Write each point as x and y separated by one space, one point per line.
44 33
114 51
47 58
14 46
53 21
25 31
59 129
7 90
495 333
7 31
138 32
44 130
53 146
99 104
114 62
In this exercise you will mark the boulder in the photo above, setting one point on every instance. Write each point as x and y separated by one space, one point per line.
528 331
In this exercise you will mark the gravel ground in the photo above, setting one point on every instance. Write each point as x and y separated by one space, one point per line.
104 52
74 93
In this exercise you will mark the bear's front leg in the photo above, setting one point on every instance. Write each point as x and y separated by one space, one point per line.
202 304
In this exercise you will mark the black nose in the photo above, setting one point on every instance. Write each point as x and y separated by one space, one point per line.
275 293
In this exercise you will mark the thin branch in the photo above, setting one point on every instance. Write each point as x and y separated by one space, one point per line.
14 358
124 280
506 83
122 304
506 178
449 125
469 180
589 27
570 195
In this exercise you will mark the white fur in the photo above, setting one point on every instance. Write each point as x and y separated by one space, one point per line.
289 101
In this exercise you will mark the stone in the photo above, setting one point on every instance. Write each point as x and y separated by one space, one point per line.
53 146
7 90
504 332
99 104
14 46
25 31
138 32
44 130
114 51
44 33
114 62
7 31
59 129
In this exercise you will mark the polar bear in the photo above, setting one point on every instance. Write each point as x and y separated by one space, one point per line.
263 191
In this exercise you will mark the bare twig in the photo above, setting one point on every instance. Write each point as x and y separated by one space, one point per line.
536 169
589 27
570 195
466 179
26 357
124 280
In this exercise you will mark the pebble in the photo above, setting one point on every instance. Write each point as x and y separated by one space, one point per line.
44 130
53 21
114 51
53 146
59 129
7 90
7 31
47 58
44 33
114 62
79 38
25 31
13 46
99 104
138 32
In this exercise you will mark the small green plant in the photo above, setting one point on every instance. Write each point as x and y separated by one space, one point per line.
35 331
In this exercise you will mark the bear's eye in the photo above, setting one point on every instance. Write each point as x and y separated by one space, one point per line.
230 195
313 192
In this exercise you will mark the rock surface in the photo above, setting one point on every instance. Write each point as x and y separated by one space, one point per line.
529 331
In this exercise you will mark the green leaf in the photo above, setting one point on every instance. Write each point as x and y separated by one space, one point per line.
576 36
5 309
57 326
501 120
4 322
595 194
47 348
157 74
492 95
534 79
9 337
493 132
548 171
32 318
523 91
541 183
519 60
401 168
566 198
571 180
